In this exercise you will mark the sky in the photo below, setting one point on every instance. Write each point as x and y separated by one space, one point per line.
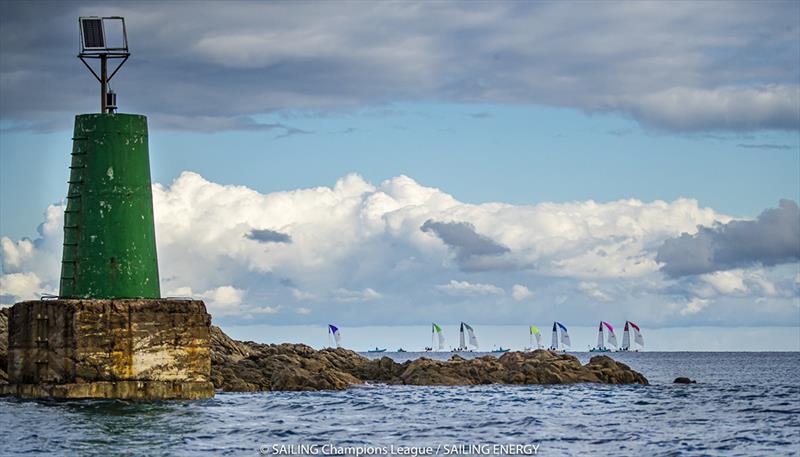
414 338
398 163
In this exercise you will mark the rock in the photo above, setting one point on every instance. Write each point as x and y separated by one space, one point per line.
246 367
225 347
4 312
684 380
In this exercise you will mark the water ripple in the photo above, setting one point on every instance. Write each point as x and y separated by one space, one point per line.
744 404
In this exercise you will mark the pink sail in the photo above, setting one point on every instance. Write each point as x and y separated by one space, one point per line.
612 337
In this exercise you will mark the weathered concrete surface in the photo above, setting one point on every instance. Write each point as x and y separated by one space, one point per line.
131 348
128 390
247 366
4 344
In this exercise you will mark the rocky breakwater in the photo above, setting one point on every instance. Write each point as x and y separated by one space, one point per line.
249 367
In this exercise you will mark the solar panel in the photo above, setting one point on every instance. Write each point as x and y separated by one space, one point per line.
93 33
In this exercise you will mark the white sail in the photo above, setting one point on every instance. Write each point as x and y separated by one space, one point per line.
626 338
473 340
437 336
600 336
565 338
462 343
554 343
564 335
637 335
612 339
471 333
535 332
334 331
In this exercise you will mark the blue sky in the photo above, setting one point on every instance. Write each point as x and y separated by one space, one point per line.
394 163
521 155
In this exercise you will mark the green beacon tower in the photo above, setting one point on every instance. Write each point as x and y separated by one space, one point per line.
109 233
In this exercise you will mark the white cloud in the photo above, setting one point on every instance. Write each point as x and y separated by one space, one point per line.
22 286
14 254
742 282
762 285
302 311
726 282
346 295
224 300
520 292
264 310
592 290
299 295
694 306
180 291
466 288
358 251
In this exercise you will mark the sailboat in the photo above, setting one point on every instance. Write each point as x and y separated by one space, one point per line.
464 332
334 335
437 338
626 337
534 332
600 341
612 338
564 337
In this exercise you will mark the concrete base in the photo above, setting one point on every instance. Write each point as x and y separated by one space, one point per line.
144 349
126 390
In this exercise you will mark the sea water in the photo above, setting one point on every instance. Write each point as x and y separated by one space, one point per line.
742 404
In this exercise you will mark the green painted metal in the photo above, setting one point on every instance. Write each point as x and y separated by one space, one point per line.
109 234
